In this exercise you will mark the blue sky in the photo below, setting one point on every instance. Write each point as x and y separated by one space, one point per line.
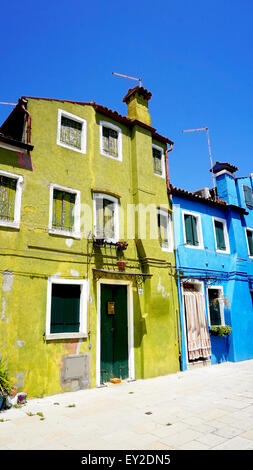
196 57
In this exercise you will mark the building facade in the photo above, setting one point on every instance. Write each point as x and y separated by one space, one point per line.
213 248
87 263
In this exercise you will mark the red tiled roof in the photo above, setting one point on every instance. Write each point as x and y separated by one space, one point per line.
113 114
142 91
218 166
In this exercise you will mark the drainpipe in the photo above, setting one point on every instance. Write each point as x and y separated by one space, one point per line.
167 166
22 103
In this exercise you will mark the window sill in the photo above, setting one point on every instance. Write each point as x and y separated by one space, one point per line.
68 147
160 176
15 225
118 158
224 252
54 336
61 233
195 247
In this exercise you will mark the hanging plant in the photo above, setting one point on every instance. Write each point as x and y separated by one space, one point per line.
221 331
121 265
5 384
122 245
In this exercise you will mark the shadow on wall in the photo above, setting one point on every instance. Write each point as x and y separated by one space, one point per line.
220 349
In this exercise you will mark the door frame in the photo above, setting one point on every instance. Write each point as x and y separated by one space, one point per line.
130 325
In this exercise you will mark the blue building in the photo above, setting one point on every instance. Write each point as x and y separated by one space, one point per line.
213 232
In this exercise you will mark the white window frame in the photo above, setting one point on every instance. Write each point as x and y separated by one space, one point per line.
84 296
225 231
119 131
162 160
61 113
15 223
75 233
221 303
116 215
168 229
250 230
199 230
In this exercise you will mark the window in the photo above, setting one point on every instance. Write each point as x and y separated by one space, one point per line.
216 306
66 308
251 293
192 230
158 161
106 217
110 140
249 235
221 235
71 132
64 212
10 199
248 195
164 230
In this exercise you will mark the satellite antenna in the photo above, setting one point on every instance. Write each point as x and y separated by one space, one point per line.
127 76
209 149
8 104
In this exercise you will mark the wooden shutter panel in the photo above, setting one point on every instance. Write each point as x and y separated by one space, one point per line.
248 196
214 307
65 308
191 230
7 197
220 238
63 210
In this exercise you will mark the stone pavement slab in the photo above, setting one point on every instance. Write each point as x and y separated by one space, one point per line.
200 409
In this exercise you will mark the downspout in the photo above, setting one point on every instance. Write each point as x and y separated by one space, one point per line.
167 166
22 103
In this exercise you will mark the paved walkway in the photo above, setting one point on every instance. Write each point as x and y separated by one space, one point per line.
204 408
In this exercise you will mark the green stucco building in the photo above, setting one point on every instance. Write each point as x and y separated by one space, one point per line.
88 288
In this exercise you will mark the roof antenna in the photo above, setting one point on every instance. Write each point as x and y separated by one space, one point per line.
131 78
8 104
209 149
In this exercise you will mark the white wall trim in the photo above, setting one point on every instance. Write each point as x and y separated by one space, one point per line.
225 231
115 201
162 160
61 113
200 246
119 131
84 295
130 318
70 234
15 223
221 303
250 230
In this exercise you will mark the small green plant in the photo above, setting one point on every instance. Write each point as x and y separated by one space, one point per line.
56 403
71 406
223 330
5 384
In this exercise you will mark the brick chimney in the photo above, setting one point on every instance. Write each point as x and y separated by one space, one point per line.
137 102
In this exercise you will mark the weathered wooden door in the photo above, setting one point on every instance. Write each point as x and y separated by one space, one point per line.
114 332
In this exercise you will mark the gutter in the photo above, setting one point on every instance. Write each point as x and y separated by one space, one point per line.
167 166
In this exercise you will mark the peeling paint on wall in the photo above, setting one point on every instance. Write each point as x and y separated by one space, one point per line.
7 281
69 242
74 273
19 343
161 288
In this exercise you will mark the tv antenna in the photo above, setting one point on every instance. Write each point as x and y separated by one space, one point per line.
209 149
127 76
8 104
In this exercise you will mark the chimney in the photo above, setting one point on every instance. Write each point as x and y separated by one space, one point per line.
137 102
225 182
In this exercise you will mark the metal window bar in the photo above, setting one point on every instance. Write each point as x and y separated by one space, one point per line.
71 132
7 197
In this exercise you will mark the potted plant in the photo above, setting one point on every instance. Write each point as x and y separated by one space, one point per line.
222 330
122 245
5 384
121 265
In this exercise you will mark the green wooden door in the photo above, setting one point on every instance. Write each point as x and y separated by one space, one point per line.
114 333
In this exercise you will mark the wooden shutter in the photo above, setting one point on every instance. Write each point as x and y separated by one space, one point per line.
110 141
163 230
250 241
7 197
220 238
108 208
157 160
63 210
65 308
248 196
71 132
191 230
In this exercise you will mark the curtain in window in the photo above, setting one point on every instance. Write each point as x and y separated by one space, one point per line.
63 210
157 159
199 345
110 141
7 197
191 230
220 238
250 241
104 218
71 132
